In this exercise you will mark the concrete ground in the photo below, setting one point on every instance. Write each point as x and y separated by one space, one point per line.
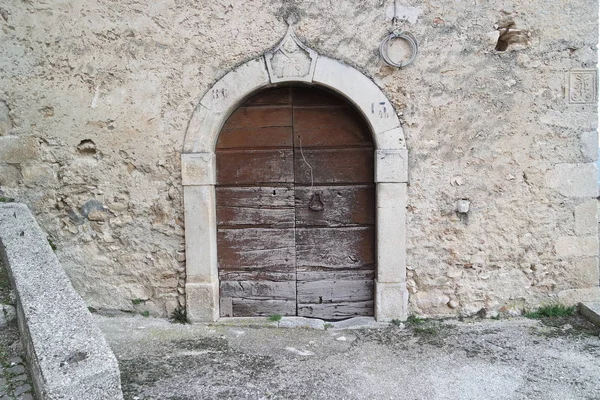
473 359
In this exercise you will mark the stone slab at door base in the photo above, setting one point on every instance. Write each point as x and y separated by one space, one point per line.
198 169
206 295
389 301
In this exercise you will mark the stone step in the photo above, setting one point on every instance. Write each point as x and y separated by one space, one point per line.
591 310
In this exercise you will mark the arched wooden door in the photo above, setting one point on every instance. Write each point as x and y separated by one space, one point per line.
295 207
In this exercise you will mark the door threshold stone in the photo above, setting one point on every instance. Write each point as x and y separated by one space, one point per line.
303 322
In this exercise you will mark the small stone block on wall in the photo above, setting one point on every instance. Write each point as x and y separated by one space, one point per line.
391 166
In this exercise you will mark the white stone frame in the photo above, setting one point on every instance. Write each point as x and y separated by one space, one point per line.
199 178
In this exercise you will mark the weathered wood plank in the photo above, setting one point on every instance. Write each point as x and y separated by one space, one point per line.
335 248
335 311
331 166
257 290
280 95
329 126
253 167
257 275
308 96
262 308
259 117
335 291
342 206
307 274
272 137
268 206
256 249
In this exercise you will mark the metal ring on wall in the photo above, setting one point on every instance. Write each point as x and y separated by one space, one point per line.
406 36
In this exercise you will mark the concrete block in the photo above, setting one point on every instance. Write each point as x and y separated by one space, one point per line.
574 180
359 89
200 233
198 169
571 297
202 300
391 166
391 301
16 149
391 232
67 353
576 246
586 218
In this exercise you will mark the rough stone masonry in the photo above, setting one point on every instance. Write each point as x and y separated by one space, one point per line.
498 109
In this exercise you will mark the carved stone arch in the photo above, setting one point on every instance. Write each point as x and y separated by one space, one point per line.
291 61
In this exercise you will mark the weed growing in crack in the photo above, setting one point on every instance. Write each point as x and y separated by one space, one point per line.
179 316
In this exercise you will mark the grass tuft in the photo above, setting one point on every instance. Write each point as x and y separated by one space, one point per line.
414 320
551 311
274 318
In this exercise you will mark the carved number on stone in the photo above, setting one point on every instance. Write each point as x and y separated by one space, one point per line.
380 109
219 93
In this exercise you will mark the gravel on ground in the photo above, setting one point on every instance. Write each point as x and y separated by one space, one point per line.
450 359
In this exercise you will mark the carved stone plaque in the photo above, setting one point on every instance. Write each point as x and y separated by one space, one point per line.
582 86
291 59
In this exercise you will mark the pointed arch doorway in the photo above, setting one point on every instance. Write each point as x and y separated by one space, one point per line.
291 62
295 207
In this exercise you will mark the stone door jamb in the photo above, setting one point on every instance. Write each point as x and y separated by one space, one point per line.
298 64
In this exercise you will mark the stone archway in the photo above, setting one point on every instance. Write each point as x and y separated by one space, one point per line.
291 61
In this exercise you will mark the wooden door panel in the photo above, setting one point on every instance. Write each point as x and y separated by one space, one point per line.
334 291
256 138
334 311
254 167
275 255
342 206
264 206
308 96
329 126
331 166
275 96
335 248
259 117
256 249
261 308
253 275
259 289
306 274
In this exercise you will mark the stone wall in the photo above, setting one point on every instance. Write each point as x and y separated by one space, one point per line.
95 99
